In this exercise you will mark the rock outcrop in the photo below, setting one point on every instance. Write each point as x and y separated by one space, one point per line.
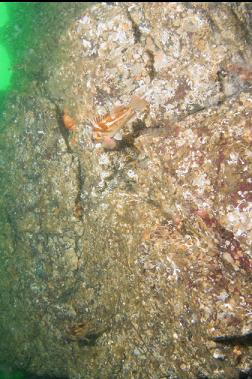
127 263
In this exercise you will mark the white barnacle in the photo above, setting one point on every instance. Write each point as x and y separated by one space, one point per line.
104 159
132 175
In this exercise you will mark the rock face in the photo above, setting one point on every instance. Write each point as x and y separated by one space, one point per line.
125 263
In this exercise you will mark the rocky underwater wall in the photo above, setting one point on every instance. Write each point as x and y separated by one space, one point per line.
127 259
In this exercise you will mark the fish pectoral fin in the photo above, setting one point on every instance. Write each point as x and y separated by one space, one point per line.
102 126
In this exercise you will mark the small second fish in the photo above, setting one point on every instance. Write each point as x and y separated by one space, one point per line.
68 121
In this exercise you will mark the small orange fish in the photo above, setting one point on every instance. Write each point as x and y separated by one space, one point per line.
68 121
109 124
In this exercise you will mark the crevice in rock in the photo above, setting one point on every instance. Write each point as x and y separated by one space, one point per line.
166 130
221 74
14 230
243 339
78 211
80 182
135 28
150 65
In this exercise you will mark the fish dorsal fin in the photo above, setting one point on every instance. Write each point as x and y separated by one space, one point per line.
138 104
117 109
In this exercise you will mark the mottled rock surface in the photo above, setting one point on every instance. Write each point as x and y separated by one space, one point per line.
125 263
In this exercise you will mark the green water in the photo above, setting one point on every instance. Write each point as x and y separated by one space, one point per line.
11 374
29 36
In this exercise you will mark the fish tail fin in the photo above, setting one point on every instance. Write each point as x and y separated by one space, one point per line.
138 104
